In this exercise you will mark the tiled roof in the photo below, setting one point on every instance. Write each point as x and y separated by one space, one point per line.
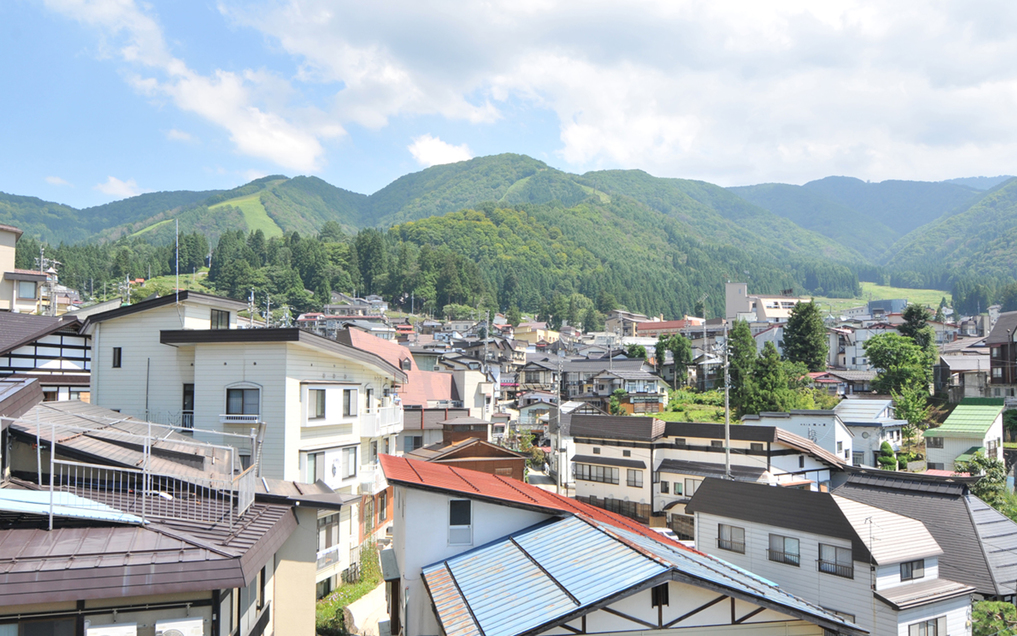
967 420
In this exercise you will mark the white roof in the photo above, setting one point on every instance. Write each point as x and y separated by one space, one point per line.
861 410
891 538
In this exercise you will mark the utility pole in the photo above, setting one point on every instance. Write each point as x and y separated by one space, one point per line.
250 307
268 311
727 408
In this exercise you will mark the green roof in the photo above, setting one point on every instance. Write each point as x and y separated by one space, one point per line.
968 454
967 420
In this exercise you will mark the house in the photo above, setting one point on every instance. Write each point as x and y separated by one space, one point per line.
844 383
979 543
974 425
474 453
658 328
538 375
50 348
964 376
477 554
871 422
824 428
563 446
535 405
620 322
534 332
647 469
578 373
88 550
422 425
739 304
643 391
878 569
1002 342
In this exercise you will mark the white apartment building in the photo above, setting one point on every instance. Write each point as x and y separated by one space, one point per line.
878 569
321 409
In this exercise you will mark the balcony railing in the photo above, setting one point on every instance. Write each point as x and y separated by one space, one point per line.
236 418
387 420
328 557
733 546
847 571
372 479
791 558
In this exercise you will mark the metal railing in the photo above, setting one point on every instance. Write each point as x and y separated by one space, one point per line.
381 421
328 557
733 546
847 571
789 558
236 418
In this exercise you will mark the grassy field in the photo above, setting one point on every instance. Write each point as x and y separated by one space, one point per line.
151 227
872 291
163 283
254 214
693 413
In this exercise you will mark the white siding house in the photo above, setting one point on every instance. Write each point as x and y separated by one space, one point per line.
824 428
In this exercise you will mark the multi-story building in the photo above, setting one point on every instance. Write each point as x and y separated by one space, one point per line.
740 305
824 428
875 568
974 426
50 348
1002 342
871 422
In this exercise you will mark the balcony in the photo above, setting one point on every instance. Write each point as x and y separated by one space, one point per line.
789 558
387 420
372 479
328 557
838 569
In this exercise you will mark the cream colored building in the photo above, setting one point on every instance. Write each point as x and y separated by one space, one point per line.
740 305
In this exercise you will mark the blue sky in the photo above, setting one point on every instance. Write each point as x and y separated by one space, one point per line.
107 98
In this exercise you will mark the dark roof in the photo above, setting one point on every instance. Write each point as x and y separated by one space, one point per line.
277 334
11 228
162 301
979 547
17 330
1005 325
102 561
18 396
644 429
600 460
707 469
317 495
708 430
789 508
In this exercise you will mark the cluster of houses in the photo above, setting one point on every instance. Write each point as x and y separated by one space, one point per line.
165 468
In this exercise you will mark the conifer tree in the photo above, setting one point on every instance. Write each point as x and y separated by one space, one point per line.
805 337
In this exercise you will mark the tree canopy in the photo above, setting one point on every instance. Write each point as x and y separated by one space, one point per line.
805 338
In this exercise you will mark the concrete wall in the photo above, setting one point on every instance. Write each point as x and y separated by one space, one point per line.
293 582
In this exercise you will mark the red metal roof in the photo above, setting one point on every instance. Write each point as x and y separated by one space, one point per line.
411 472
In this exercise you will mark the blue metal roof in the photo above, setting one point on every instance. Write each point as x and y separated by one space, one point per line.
546 572
65 504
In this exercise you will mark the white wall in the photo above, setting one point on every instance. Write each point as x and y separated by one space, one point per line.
621 490
420 538
827 431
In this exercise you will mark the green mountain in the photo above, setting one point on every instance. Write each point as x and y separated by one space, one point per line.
901 205
980 183
981 240
814 211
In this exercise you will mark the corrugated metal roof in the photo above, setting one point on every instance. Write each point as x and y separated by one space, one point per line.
967 420
891 538
535 578
902 597
998 537
862 410
65 504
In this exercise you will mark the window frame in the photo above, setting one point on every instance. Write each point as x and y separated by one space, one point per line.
731 544
350 402
35 290
243 400
348 455
915 570
118 357
316 401
938 443
634 478
785 556
216 319
596 473
836 567
922 628
452 526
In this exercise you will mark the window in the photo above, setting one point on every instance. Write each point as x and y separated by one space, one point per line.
716 443
783 550
382 507
844 615
26 289
369 400
602 474
316 404
840 447
836 560
912 570
857 458
117 357
412 442
55 627
315 468
658 595
756 447
596 451
460 522
369 515
995 352
349 462
664 487
187 407
690 487
261 587
934 442
220 319
801 461
349 402
374 451
242 401
626 453
934 627
680 443
997 373
731 538
635 478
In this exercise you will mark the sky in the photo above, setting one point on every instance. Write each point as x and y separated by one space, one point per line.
105 99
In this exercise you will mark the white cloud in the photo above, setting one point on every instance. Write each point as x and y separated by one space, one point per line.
432 151
119 189
178 135
227 99
57 181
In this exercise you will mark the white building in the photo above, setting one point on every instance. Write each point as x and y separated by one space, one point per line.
877 569
871 422
974 426
475 554
824 428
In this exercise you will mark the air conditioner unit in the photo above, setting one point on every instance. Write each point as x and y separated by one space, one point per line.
180 627
119 629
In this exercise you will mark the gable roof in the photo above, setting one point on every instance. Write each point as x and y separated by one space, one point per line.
894 538
1003 331
858 410
162 301
979 544
394 353
17 330
967 420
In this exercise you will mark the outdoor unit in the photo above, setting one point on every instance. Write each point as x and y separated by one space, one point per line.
180 627
119 629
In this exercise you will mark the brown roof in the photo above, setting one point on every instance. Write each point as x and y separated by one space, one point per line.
17 396
463 448
1004 328
617 427
17 330
11 228
425 386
